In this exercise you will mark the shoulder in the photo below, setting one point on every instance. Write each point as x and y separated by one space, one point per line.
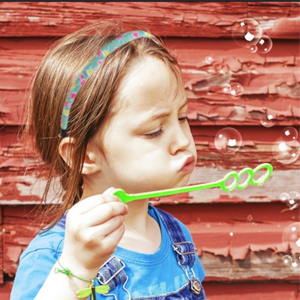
51 240
172 219
176 225
36 263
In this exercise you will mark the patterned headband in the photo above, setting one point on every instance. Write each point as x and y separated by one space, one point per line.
90 68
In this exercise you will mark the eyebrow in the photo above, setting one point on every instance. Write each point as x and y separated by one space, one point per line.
162 114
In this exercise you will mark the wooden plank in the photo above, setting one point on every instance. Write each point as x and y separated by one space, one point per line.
265 290
209 112
262 265
238 235
27 189
16 238
1 248
202 19
212 165
5 290
254 250
270 82
235 230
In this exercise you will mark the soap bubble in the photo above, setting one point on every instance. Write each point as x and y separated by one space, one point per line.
287 260
209 60
291 236
267 120
291 199
294 195
226 88
236 89
286 152
294 200
264 44
246 32
293 264
228 140
289 134
253 48
284 197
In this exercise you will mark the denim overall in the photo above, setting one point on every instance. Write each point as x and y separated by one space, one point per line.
112 272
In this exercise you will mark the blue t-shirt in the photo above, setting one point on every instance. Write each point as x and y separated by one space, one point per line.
148 274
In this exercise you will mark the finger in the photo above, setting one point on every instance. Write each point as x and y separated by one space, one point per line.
104 212
112 239
90 203
98 233
109 191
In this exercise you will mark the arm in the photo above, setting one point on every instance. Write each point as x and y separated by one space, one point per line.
94 227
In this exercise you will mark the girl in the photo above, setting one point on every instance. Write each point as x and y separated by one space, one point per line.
108 110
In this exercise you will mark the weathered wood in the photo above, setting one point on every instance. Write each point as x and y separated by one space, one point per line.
271 86
265 290
5 289
238 234
16 238
19 169
270 81
263 265
234 230
28 190
202 19
243 244
1 247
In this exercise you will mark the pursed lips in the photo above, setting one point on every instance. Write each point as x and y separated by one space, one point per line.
188 165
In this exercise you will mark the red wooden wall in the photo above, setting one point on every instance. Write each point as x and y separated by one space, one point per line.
248 240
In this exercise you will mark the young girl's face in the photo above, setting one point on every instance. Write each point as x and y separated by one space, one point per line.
148 144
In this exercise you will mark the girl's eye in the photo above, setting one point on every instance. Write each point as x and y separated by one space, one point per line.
182 119
154 134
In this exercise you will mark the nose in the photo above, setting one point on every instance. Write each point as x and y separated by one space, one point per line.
181 138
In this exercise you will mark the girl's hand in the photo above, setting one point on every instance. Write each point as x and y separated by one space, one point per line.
94 227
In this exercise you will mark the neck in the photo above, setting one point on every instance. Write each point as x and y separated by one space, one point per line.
137 217
142 233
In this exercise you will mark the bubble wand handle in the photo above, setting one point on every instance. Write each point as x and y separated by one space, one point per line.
125 198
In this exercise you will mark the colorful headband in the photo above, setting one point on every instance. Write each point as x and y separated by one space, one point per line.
90 68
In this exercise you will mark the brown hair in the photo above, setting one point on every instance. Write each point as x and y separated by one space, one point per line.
93 104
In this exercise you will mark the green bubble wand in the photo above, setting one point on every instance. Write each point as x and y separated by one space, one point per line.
220 183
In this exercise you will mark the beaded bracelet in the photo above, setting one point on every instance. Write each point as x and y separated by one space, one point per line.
85 292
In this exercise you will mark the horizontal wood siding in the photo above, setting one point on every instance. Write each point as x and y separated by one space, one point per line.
238 235
202 19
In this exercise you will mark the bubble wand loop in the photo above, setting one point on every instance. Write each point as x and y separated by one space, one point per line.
220 183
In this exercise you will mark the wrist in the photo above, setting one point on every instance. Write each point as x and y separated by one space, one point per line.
72 265
84 292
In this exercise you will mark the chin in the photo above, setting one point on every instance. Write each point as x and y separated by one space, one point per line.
185 180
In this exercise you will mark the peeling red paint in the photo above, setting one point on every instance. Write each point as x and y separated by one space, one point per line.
256 290
241 230
166 19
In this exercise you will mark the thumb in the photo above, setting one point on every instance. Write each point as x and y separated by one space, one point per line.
109 191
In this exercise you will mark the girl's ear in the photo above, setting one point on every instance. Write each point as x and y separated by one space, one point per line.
66 147
92 161
91 164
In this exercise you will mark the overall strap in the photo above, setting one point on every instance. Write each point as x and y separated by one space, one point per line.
112 273
62 222
185 250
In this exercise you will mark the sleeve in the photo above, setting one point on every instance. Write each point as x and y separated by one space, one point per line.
34 267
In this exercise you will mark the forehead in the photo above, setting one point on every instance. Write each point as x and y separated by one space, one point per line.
149 83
